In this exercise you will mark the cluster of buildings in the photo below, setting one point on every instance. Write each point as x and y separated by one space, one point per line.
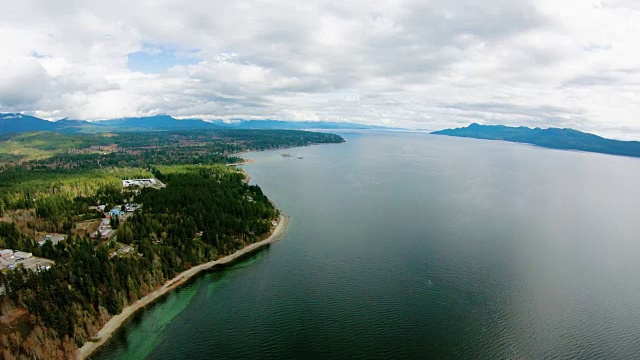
121 212
116 211
10 259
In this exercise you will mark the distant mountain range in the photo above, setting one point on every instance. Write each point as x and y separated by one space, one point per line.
553 138
24 123
296 125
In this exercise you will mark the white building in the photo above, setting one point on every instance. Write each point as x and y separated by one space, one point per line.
21 255
139 182
6 263
131 207
54 238
6 254
125 249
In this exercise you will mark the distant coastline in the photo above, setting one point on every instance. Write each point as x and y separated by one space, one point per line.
551 138
118 320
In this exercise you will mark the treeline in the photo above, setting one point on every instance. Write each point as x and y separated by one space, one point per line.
86 286
132 159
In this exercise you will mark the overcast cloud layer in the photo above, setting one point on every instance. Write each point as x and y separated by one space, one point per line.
421 64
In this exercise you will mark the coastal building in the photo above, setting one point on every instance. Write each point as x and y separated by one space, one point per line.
116 211
6 254
21 255
131 207
5 263
125 250
37 266
54 238
27 261
8 264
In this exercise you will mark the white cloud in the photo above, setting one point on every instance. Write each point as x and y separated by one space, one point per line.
23 82
419 63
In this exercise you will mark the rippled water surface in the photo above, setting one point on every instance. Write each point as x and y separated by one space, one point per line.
413 245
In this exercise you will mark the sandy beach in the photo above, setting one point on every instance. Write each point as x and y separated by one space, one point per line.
115 322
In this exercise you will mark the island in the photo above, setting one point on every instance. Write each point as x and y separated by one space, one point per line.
94 227
552 138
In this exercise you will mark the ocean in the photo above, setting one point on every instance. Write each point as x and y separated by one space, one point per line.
410 245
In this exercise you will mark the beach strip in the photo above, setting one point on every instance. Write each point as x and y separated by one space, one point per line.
115 322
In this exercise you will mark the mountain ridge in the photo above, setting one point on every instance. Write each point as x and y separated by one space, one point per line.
18 123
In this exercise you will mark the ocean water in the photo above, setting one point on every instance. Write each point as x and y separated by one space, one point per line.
406 245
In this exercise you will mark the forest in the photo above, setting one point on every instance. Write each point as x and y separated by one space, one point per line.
54 150
207 210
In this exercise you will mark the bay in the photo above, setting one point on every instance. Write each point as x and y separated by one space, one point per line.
409 245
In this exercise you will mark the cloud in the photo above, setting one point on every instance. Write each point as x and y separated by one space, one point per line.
417 63
23 82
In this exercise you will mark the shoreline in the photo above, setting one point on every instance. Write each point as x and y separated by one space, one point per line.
118 320
243 162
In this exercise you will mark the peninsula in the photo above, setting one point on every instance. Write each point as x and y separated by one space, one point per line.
94 227
552 138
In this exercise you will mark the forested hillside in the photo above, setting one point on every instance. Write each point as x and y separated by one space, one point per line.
64 196
206 210
229 213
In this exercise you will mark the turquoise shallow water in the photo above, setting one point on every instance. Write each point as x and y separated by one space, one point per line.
409 245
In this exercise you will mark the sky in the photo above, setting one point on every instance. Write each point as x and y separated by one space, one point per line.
424 64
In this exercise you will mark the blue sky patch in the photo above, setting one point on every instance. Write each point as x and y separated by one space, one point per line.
37 55
158 58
